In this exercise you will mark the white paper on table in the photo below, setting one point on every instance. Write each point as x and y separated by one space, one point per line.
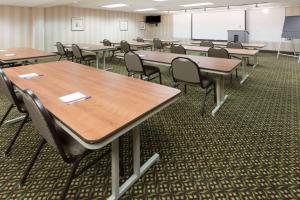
10 54
76 96
28 76
142 55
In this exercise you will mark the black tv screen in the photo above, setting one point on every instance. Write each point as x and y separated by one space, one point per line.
153 19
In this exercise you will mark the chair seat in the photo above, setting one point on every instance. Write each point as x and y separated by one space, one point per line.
69 53
207 82
89 57
21 102
119 55
70 145
150 70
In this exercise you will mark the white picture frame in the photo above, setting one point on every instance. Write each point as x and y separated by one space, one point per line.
142 25
123 25
77 24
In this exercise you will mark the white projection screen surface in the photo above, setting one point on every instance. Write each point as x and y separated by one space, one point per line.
214 25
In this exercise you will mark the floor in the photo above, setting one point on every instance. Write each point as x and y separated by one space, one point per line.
250 150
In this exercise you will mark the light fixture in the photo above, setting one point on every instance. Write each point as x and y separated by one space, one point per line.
115 5
145 9
266 10
197 4
160 0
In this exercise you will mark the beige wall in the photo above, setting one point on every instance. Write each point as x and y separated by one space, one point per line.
99 25
40 28
292 11
15 23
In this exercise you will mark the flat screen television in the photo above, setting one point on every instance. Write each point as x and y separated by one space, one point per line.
153 19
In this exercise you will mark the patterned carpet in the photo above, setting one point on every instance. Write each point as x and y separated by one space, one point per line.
250 150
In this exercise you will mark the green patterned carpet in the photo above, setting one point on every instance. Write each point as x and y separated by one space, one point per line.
250 150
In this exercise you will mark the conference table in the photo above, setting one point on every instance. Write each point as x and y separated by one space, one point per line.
135 44
218 66
96 49
243 53
245 45
12 55
118 104
165 41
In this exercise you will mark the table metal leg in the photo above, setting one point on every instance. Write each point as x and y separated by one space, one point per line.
104 62
221 97
255 61
97 60
139 170
245 75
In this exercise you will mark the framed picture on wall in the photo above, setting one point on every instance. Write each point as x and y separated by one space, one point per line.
142 25
77 24
123 25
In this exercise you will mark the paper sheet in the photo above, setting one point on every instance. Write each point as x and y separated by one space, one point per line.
70 98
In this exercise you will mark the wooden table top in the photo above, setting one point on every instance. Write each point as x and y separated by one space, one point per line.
246 45
12 54
135 44
116 100
91 47
207 63
243 52
163 40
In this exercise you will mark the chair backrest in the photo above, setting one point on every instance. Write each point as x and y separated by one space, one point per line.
133 62
235 45
76 51
179 49
207 44
125 46
43 121
157 43
60 49
139 39
106 42
218 53
187 71
7 88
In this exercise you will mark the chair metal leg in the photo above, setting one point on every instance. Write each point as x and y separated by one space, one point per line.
12 142
6 114
203 105
70 178
160 82
231 78
33 159
185 89
215 93
60 58
236 73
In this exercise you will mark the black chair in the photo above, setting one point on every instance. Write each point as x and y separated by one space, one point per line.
234 45
63 53
158 44
79 57
221 53
106 42
124 48
179 49
134 65
71 151
207 44
139 39
16 101
186 71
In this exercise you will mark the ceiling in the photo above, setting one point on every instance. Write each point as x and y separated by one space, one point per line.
168 5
